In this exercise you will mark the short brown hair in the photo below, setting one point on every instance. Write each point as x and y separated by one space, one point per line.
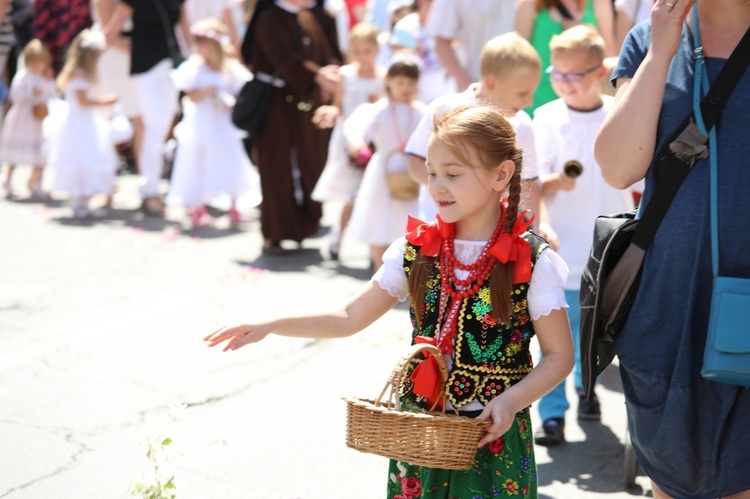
507 53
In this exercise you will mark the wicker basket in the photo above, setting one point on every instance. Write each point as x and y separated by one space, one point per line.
432 439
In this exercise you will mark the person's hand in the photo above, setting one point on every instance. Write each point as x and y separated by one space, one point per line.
109 99
328 79
238 336
565 182
500 415
667 18
549 235
325 116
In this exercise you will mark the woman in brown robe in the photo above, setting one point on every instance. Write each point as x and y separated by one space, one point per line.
298 45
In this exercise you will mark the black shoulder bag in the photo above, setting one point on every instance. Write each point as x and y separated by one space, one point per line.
252 102
174 50
612 274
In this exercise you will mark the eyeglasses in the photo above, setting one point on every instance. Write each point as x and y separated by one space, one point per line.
558 76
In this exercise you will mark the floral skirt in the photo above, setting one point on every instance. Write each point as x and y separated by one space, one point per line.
504 468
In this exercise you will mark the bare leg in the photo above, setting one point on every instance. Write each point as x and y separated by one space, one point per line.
745 494
137 139
8 184
658 493
377 255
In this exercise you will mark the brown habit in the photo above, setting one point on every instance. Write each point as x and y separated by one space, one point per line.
288 142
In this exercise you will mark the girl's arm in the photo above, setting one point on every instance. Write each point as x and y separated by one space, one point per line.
626 140
185 24
199 95
113 26
86 101
525 18
325 116
369 304
553 331
605 22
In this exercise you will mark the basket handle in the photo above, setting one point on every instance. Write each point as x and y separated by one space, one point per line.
399 370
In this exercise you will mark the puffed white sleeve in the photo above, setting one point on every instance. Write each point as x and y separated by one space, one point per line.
185 75
391 276
546 291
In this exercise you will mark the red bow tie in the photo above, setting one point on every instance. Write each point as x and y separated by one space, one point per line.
429 236
514 248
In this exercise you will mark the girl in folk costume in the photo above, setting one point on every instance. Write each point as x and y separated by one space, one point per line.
480 286
210 164
362 82
21 139
82 155
379 213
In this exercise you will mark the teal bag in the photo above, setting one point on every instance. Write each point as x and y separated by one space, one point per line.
727 354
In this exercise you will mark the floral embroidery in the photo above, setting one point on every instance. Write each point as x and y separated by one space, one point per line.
410 253
497 446
512 487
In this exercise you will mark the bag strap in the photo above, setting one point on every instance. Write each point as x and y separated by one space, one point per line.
671 171
174 50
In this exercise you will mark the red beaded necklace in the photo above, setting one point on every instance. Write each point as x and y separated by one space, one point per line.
460 289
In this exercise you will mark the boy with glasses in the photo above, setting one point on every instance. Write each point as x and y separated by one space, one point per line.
573 189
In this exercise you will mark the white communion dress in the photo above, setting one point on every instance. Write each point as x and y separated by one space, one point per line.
210 164
82 155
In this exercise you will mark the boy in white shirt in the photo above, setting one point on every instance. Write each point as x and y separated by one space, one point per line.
573 190
511 70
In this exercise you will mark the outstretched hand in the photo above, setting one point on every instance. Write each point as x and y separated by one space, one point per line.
238 336
500 415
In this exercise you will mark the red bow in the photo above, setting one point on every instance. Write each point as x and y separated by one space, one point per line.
429 236
514 248
426 377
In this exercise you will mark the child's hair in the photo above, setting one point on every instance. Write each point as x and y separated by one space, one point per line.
504 54
217 34
35 50
364 32
484 131
580 38
403 65
82 55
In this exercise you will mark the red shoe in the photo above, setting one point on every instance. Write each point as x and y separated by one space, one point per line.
200 218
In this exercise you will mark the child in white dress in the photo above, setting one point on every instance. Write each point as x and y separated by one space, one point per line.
21 140
362 81
378 217
82 155
211 165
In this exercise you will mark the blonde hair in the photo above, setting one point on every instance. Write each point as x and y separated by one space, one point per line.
35 50
507 53
484 131
364 32
581 38
217 34
79 57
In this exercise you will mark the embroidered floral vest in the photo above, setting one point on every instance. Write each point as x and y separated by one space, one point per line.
489 357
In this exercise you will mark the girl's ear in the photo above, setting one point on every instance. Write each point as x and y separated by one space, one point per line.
502 175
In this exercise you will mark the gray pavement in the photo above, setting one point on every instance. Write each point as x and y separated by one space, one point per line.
100 333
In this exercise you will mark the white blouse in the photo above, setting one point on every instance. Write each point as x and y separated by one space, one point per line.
546 292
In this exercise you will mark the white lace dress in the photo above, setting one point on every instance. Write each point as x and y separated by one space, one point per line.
377 218
546 290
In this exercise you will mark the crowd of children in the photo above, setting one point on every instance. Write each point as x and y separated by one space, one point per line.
471 159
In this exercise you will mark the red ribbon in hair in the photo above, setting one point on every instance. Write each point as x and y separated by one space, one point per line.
511 247
429 236
426 376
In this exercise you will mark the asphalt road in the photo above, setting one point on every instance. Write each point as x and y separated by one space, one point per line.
100 340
